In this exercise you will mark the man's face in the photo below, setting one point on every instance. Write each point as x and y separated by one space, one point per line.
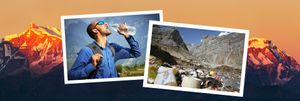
102 27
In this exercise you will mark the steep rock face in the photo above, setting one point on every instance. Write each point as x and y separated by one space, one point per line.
42 46
168 36
168 40
220 50
268 65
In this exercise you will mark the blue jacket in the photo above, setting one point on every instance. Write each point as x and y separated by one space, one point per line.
83 66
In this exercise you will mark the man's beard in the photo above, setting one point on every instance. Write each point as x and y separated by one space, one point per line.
107 34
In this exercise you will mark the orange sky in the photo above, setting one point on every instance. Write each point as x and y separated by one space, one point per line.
277 20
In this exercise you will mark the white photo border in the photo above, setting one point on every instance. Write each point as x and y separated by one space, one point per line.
65 69
242 82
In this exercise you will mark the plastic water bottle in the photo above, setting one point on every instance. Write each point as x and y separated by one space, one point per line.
131 30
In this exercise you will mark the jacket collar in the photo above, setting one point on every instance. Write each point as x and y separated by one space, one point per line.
107 44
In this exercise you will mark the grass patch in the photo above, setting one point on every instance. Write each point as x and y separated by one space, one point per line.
152 72
127 71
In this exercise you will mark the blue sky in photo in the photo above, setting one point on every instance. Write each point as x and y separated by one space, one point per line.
192 35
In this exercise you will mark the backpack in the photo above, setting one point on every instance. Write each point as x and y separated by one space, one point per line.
96 50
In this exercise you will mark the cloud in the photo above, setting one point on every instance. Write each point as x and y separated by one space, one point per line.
223 33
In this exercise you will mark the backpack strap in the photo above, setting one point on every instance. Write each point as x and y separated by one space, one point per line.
95 50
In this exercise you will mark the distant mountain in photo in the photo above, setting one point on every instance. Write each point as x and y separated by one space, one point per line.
220 50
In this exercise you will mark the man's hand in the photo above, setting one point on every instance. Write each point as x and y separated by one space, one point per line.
123 30
96 59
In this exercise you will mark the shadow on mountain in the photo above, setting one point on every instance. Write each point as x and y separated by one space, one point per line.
163 55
